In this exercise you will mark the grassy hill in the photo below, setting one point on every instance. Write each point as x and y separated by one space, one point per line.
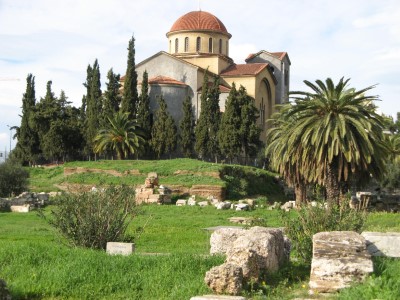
239 181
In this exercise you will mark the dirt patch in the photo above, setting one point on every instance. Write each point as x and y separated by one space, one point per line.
186 172
80 170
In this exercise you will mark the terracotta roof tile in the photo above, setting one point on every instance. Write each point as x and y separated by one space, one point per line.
222 88
199 20
165 80
244 69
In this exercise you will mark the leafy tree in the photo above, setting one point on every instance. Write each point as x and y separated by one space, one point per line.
112 97
215 119
13 178
130 98
121 135
187 138
27 147
229 134
339 135
163 134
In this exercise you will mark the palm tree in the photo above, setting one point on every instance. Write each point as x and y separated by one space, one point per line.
285 153
121 135
331 135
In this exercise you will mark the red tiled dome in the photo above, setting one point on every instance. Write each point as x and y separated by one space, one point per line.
199 20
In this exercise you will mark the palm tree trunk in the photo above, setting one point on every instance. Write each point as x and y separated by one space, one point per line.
300 190
332 185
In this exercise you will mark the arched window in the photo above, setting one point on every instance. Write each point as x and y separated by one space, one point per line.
198 44
186 44
220 46
227 48
176 45
210 45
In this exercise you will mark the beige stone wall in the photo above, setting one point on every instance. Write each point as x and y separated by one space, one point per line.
204 36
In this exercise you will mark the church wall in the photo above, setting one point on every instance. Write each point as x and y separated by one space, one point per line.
280 67
214 63
174 96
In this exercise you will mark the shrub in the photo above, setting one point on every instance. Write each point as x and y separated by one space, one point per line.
310 220
13 178
91 219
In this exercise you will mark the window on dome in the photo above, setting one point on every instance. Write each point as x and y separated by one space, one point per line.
198 44
210 45
220 46
227 48
176 45
186 44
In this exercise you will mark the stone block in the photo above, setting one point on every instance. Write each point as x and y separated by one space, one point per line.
218 297
222 239
20 208
225 279
258 251
115 248
203 203
181 202
340 258
383 243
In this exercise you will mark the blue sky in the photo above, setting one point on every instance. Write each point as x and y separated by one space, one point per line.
56 40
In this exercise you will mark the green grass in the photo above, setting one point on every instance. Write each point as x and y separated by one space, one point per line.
37 264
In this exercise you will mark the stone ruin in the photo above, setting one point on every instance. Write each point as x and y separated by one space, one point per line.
250 254
152 192
24 202
340 258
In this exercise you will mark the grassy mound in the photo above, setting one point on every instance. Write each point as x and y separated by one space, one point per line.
239 181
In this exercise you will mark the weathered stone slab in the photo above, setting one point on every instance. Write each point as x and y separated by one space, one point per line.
217 297
223 238
226 278
20 208
383 244
120 248
257 251
340 258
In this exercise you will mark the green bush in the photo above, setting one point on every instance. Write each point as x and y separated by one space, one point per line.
310 220
13 178
92 219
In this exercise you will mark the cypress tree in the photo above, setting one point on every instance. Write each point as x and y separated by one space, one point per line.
214 119
249 130
112 98
229 135
144 119
163 133
27 147
93 105
130 98
187 138
144 115
201 131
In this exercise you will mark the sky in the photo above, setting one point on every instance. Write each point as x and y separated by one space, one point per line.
57 40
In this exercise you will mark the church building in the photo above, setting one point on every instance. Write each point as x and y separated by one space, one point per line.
198 42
